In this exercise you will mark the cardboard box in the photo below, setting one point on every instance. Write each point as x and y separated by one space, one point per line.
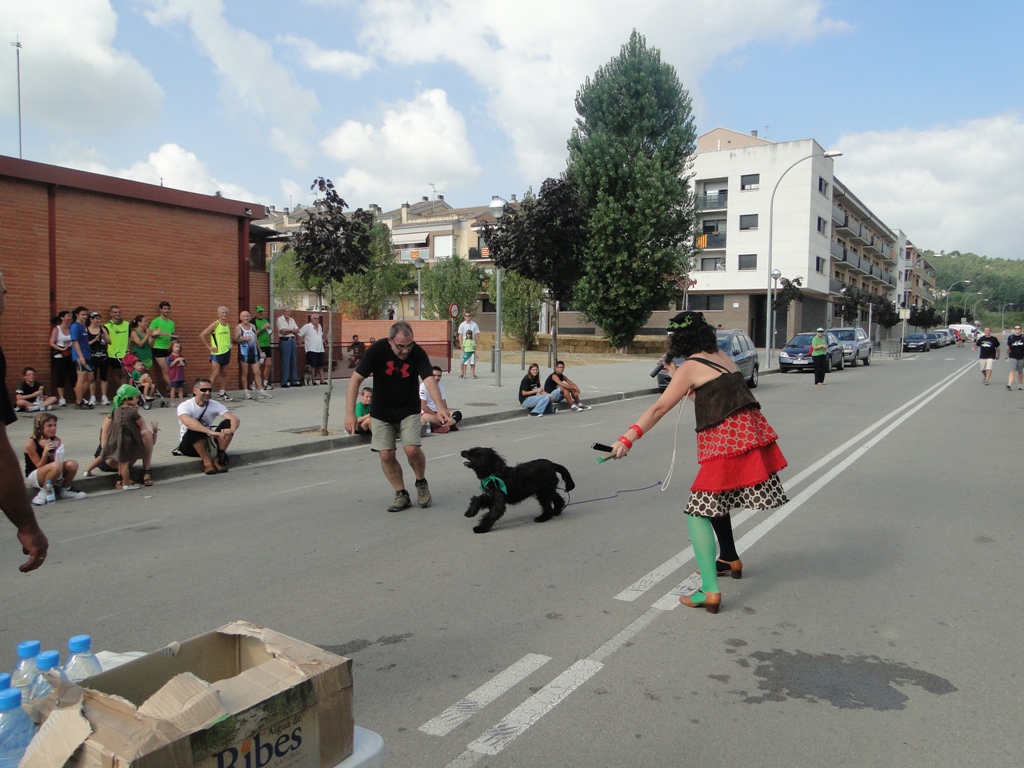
241 696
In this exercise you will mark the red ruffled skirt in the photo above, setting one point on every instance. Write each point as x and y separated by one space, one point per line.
741 452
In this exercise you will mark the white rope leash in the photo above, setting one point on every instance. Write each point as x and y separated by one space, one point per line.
675 443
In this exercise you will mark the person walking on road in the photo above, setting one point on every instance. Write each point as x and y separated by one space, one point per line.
397 365
736 448
1015 354
819 353
989 346
468 329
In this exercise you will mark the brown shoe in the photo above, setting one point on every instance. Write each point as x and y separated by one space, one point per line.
711 601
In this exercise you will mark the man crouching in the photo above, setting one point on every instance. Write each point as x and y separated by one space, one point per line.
207 428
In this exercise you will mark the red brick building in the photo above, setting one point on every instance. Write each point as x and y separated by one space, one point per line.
75 238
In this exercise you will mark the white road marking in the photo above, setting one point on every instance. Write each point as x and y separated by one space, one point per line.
110 530
302 487
461 711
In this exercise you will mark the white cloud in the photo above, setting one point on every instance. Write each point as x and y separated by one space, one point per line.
253 82
73 77
317 59
417 142
532 56
948 188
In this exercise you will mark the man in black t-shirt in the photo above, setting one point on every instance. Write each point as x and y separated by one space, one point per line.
397 366
1015 354
989 346
13 499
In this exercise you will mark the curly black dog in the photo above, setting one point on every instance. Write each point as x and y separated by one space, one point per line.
502 485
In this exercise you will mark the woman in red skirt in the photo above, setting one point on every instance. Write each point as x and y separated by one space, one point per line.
736 449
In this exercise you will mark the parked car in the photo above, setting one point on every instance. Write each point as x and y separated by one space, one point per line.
796 355
739 347
916 342
856 345
934 340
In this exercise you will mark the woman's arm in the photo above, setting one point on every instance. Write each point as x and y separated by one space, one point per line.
32 451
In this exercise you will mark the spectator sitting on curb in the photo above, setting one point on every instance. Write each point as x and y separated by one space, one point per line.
29 395
532 394
363 425
428 408
44 461
207 428
561 387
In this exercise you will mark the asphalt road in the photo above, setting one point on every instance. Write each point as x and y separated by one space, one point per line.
877 622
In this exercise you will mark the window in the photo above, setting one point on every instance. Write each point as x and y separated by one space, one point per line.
750 181
748 221
819 265
822 227
823 186
712 264
748 261
708 301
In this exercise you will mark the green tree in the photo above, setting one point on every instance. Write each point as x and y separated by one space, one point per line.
329 246
521 300
788 293
925 317
450 280
369 293
288 283
884 312
628 159
852 301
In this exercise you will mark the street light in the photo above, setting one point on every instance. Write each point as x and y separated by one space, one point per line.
497 209
972 293
945 318
419 264
974 309
776 274
17 53
1002 325
771 221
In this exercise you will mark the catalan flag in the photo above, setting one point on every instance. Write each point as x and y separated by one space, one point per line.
702 241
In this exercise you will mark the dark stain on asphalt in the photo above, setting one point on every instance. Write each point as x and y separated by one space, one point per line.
353 646
846 682
394 639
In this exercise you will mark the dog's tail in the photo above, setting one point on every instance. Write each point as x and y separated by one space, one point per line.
566 477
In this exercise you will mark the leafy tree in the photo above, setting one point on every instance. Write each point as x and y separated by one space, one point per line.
450 280
628 159
925 317
521 300
288 283
884 312
369 293
788 293
329 246
852 301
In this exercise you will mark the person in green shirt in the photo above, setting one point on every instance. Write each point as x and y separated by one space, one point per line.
264 330
161 332
217 338
117 328
819 349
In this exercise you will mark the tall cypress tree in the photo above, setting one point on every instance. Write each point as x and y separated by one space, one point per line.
628 157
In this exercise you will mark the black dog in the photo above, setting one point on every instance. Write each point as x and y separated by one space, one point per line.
502 484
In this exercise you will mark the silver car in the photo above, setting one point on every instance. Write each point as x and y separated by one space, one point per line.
856 345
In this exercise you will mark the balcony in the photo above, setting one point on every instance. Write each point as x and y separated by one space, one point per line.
408 254
851 228
848 257
873 244
838 216
713 201
710 241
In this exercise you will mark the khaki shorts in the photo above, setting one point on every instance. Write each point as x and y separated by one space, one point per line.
986 365
385 433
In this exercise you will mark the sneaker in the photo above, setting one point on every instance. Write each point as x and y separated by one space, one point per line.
40 498
1009 388
61 403
252 387
104 401
261 395
538 415
130 487
92 401
67 494
248 395
82 406
34 408
267 385
575 408
583 407
222 395
423 493
401 501
1019 388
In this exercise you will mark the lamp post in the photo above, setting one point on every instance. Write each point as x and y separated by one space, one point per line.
771 222
974 309
497 209
17 53
945 317
419 264
776 274
1002 325
972 293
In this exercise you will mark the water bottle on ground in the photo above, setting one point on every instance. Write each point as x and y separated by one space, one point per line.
51 494
25 670
47 661
16 729
82 663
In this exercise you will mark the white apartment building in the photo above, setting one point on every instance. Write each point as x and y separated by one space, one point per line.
819 232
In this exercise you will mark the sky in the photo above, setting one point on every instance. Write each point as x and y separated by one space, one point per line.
395 100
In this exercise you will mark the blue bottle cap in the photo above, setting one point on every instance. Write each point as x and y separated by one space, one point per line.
29 649
80 644
10 699
5 681
48 660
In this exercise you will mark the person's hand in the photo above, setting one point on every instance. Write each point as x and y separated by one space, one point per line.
34 544
619 450
350 424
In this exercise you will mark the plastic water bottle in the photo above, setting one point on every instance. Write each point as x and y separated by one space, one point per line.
5 681
82 663
25 670
16 729
51 495
47 661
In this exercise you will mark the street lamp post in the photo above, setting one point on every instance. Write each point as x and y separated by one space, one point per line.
419 264
1002 325
945 317
17 53
972 293
771 222
776 274
974 309
497 209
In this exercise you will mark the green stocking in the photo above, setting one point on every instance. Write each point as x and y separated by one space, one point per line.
702 536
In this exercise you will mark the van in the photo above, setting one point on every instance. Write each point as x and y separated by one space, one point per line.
967 332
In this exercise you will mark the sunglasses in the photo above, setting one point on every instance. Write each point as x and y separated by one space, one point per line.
205 389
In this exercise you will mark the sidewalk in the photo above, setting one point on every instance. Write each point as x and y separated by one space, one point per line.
288 425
